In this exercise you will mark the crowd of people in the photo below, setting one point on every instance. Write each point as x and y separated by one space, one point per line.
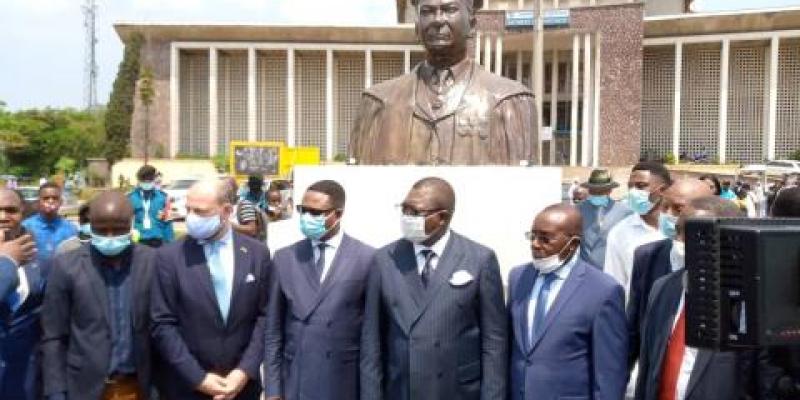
98 312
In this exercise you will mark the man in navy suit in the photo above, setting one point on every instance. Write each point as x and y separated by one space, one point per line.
568 317
208 304
316 305
434 324
20 312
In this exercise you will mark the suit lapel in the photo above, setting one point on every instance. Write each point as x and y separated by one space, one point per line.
521 302
450 258
196 260
241 268
700 366
672 298
139 276
406 262
92 270
568 289
327 284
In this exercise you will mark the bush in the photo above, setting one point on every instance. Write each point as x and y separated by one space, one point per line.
670 159
795 155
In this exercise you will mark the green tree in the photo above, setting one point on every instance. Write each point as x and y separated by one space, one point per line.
120 105
146 94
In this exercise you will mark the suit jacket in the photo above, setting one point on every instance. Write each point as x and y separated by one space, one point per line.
581 352
449 341
650 262
188 329
9 279
313 332
76 344
716 375
20 333
595 232
486 119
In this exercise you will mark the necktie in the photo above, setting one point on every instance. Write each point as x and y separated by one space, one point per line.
541 306
441 80
220 279
671 369
319 267
425 276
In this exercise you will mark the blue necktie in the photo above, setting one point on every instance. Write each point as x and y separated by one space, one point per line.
541 307
219 278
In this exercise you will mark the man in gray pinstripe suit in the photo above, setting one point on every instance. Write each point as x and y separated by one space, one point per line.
435 325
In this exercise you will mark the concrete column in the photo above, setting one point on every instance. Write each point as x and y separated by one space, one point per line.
407 61
772 106
676 107
498 55
725 57
174 100
487 53
213 106
520 4
367 68
586 131
329 137
252 107
574 79
478 59
519 66
553 104
596 104
290 103
537 66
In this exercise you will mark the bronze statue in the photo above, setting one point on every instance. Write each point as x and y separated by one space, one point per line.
448 110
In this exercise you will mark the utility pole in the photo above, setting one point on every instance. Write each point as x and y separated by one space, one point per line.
90 63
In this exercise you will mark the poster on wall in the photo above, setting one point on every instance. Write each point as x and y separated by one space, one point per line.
256 158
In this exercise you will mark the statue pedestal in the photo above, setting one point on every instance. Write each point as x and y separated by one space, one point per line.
494 205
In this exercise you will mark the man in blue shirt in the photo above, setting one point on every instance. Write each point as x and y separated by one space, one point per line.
150 207
47 227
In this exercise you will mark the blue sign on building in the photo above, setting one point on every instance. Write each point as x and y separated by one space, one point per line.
525 19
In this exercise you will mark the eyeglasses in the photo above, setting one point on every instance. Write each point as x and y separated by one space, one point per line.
313 211
413 212
544 239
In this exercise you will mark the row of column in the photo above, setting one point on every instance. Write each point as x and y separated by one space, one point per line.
252 122
772 101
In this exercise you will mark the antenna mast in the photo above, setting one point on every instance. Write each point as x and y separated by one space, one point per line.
90 69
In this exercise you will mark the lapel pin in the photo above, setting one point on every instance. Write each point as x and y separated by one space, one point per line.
243 249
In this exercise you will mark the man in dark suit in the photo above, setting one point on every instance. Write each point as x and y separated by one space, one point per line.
316 305
599 213
20 311
434 324
209 302
568 318
653 260
96 315
668 368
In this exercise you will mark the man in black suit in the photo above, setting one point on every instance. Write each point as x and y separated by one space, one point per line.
209 302
316 304
668 368
435 325
654 260
96 319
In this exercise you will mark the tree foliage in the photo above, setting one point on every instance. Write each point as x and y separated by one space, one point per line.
121 103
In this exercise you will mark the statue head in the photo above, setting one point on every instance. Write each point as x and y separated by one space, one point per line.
444 26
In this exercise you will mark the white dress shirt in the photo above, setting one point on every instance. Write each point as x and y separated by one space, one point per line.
689 358
437 248
622 242
331 246
555 287
23 290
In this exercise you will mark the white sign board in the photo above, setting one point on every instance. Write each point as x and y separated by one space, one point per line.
494 205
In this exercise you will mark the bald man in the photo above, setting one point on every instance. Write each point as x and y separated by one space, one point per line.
568 318
95 318
434 322
208 303
654 260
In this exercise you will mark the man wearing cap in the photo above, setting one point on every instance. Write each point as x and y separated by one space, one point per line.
448 110
600 213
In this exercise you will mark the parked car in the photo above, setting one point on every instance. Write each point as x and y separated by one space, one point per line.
176 192
772 168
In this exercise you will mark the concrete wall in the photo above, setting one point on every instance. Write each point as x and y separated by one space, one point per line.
664 7
156 55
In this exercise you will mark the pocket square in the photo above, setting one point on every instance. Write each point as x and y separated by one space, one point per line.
461 278
249 278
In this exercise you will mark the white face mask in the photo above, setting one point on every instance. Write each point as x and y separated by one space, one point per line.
413 228
677 256
550 264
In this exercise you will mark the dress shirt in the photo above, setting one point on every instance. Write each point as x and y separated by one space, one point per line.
48 234
23 290
437 248
689 358
119 289
331 245
622 242
676 261
225 251
561 275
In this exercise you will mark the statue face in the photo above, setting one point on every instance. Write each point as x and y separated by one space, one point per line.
444 25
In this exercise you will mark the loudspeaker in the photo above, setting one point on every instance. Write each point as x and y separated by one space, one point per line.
743 282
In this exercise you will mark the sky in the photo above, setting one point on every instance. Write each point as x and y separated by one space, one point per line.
42 42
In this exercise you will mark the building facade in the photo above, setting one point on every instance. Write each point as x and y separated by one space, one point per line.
615 81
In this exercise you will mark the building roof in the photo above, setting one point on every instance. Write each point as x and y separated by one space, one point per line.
756 20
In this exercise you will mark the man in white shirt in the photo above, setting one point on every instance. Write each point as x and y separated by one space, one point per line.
646 185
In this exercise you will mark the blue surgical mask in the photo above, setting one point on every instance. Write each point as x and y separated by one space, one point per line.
639 201
666 224
599 201
202 228
85 230
313 227
147 186
111 246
